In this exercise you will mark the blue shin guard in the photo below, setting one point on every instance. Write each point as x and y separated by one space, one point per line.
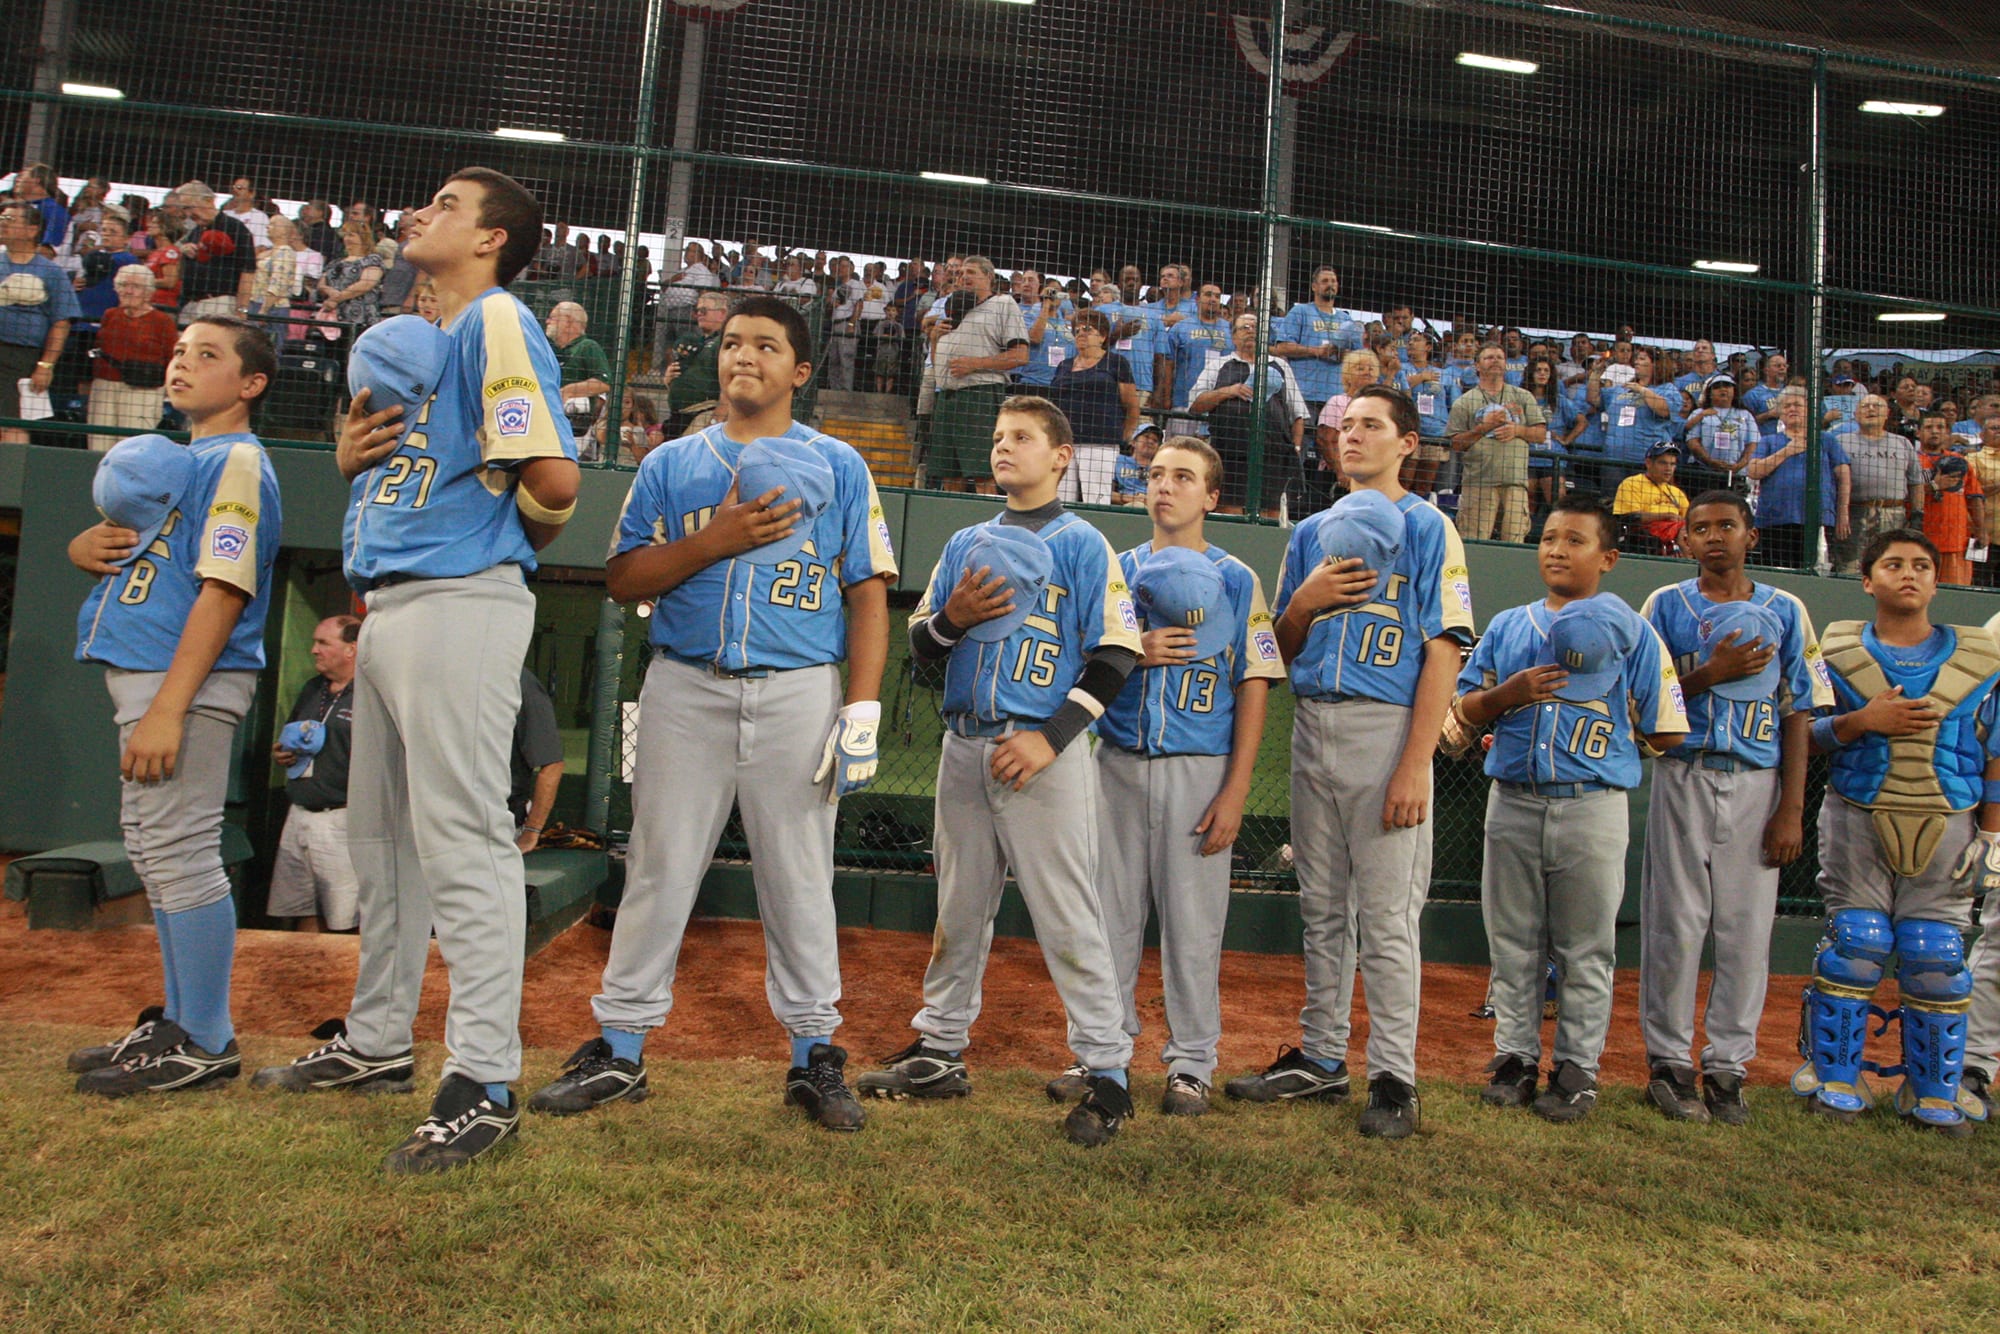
1937 991
1833 1024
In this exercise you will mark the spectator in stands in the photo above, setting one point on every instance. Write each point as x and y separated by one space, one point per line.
639 431
582 264
363 212
1650 502
889 339
1779 469
607 263
1172 302
1904 410
37 305
874 309
97 270
1493 426
128 365
1954 502
694 381
277 277
1762 402
1320 465
1843 398
313 884
586 372
350 290
678 292
1697 370
1433 390
1515 344
163 258
1889 484
218 259
1576 367
1638 414
36 184
971 358
1463 366
321 237
1225 389
843 350
753 270
1192 345
795 283
1048 314
1720 437
1312 336
424 303
1985 464
1128 487
1544 385
1136 335
1094 389
1130 279
536 763
242 206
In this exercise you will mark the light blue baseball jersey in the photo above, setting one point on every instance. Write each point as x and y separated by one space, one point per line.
1561 742
1631 427
1376 650
736 614
1433 399
1129 479
1085 605
1745 729
1144 343
1192 344
1190 708
227 527
442 505
1057 346
1309 326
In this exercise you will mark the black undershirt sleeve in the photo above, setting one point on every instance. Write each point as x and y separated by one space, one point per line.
1103 676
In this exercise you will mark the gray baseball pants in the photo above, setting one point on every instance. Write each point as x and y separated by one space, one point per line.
706 742
1982 1029
1149 857
1852 873
1047 833
1704 879
1361 887
1554 873
173 829
437 686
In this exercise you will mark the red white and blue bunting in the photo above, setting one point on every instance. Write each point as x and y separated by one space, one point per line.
1311 50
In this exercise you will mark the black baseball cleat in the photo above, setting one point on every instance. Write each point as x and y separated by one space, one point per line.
1095 1121
1070 1085
143 1040
1185 1096
917 1071
464 1124
1571 1093
590 1078
1722 1094
1977 1085
178 1067
1293 1076
337 1065
1393 1110
1512 1083
820 1087
1671 1088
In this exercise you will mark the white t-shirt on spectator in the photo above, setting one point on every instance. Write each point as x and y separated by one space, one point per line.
680 291
259 224
875 299
799 287
846 294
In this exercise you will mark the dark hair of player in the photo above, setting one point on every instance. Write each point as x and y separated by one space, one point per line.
1588 502
1729 498
253 348
1402 409
1194 444
787 316
1881 543
507 207
1047 415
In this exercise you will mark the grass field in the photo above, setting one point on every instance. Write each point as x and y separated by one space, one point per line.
712 1207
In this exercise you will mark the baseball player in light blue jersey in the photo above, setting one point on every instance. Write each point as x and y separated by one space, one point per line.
1570 685
457 483
1031 616
1194 342
1727 809
1982 1022
1908 834
1178 750
1313 335
1374 611
753 536
176 619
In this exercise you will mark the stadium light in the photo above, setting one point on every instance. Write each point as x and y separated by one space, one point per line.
952 177
92 90
1724 266
1911 316
532 136
1903 108
1500 63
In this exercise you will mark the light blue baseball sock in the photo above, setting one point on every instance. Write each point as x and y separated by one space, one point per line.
1331 1067
172 1006
204 947
1115 1076
802 1049
626 1046
499 1095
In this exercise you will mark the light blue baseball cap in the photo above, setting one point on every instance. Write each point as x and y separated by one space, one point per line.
773 462
1365 524
1181 589
1589 639
305 739
1023 559
138 483
399 362
1748 621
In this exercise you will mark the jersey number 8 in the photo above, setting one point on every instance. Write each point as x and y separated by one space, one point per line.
139 583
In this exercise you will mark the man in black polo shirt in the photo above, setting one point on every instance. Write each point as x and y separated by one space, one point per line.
218 255
537 763
312 881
